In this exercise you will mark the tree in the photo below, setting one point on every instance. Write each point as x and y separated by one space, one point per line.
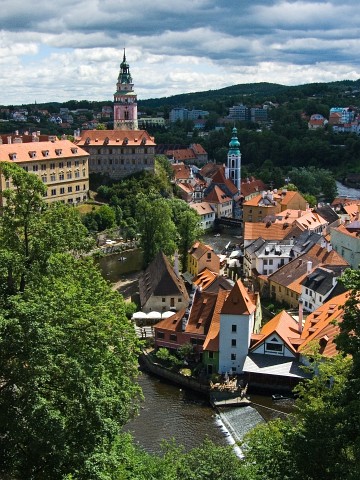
187 222
68 364
31 230
157 230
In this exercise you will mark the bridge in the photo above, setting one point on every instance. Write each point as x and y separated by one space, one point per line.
228 222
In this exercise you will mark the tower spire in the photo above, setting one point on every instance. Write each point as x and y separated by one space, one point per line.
234 160
125 100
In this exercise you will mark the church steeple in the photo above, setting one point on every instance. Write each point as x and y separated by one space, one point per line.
125 100
234 160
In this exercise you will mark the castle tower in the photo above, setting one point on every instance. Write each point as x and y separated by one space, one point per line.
234 160
125 100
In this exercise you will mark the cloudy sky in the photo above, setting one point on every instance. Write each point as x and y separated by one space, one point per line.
71 49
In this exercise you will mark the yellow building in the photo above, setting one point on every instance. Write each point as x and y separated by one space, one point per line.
202 256
61 165
271 203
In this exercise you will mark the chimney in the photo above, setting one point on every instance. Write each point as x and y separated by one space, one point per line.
308 266
9 140
176 264
329 247
300 324
299 213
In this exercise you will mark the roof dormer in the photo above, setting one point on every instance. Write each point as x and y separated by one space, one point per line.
32 154
74 150
45 153
12 156
58 151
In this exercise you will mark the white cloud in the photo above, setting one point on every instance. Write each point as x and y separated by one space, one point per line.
53 52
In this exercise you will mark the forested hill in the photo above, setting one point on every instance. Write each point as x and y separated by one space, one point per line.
259 92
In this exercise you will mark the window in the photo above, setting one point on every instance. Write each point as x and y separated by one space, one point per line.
233 328
193 341
69 189
43 166
62 190
76 163
52 166
61 176
44 178
173 337
53 191
163 300
35 168
233 342
159 334
233 356
69 175
270 261
211 355
77 188
26 168
77 174
61 165
208 255
68 164
273 347
179 300
52 177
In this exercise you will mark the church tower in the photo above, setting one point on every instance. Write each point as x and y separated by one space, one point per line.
125 100
234 160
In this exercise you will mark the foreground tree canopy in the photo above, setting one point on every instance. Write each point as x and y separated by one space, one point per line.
68 355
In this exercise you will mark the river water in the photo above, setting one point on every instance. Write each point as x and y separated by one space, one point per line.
347 192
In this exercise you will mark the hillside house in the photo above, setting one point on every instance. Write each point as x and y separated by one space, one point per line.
161 288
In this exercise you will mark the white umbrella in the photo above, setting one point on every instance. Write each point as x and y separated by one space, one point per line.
139 316
167 314
153 315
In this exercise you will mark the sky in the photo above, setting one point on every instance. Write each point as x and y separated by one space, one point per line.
72 49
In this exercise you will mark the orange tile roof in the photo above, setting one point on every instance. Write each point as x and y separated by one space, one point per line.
217 196
204 279
181 171
285 326
239 302
212 338
201 313
181 154
199 249
252 186
198 149
319 327
220 178
345 231
36 151
173 323
115 137
202 208
273 231
352 211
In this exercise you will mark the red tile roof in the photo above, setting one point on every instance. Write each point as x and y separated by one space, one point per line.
319 328
115 138
239 301
285 326
217 196
212 338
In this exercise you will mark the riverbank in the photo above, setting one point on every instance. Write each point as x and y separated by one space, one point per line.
128 285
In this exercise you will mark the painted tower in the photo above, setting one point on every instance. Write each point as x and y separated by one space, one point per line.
234 160
125 100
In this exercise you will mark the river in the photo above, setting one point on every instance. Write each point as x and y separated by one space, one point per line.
347 192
